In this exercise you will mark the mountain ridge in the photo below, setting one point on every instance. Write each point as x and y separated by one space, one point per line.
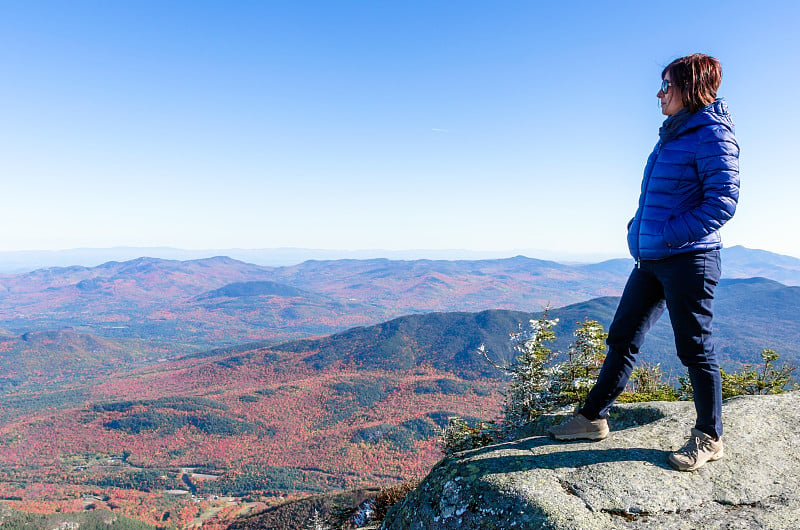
26 260
744 310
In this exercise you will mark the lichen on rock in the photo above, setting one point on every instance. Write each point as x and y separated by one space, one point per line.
623 481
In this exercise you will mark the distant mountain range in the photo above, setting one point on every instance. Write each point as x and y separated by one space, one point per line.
24 261
220 301
195 303
173 308
28 260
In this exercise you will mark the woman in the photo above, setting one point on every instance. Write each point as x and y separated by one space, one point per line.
690 189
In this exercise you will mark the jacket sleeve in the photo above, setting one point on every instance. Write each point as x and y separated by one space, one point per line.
717 164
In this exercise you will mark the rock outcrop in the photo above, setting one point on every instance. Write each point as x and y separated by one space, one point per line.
623 481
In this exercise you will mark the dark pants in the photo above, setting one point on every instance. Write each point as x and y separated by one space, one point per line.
684 285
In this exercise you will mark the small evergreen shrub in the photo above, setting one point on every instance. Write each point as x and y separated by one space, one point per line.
647 383
585 358
751 380
536 380
461 436
317 522
766 379
539 384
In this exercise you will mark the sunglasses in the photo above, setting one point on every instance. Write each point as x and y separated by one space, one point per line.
665 86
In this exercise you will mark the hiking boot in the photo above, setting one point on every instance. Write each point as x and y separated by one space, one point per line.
579 427
700 448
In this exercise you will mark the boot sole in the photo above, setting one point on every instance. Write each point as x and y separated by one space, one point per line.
594 437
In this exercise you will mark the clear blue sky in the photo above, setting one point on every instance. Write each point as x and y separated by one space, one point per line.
373 125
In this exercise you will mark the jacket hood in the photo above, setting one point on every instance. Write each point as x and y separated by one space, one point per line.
713 114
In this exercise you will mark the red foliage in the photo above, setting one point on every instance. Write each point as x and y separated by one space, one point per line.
293 410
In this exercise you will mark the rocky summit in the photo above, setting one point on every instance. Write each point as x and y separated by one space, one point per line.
623 481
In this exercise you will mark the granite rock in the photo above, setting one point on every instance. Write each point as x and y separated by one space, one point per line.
623 481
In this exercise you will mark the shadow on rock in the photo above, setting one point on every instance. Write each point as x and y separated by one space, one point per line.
620 419
572 459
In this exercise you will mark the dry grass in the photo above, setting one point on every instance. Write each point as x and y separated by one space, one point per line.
391 495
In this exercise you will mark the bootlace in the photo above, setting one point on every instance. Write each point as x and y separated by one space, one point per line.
694 445
691 448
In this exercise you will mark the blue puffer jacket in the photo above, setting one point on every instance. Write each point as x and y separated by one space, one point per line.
690 186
